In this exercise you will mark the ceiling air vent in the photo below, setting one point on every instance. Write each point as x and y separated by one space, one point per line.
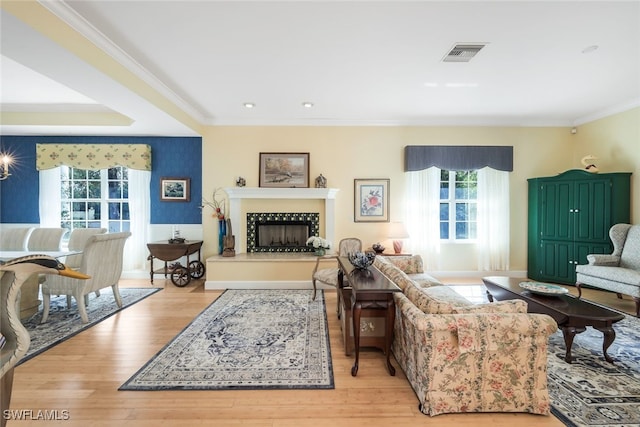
463 52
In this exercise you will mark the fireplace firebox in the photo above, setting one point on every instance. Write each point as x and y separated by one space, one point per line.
281 231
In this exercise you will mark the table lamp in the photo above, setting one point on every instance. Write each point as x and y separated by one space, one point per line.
397 232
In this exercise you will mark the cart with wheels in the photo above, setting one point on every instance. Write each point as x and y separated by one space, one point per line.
167 252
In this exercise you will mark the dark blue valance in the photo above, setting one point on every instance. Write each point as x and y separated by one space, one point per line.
458 157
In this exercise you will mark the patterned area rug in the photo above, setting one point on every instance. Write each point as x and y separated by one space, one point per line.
63 323
590 391
246 339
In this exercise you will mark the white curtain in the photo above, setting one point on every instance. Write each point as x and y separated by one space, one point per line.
135 251
135 254
493 220
50 198
423 215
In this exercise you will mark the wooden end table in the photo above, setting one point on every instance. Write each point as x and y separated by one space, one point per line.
370 289
571 314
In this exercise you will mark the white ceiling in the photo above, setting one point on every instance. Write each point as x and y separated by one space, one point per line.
358 62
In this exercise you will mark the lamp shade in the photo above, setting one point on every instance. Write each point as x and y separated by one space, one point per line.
397 230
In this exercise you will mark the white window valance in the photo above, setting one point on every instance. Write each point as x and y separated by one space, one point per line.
93 156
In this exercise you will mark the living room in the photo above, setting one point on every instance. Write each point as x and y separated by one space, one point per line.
214 153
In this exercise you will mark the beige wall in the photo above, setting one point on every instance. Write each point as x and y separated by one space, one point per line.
615 141
344 153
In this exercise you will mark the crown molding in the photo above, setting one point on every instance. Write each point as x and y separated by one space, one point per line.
76 21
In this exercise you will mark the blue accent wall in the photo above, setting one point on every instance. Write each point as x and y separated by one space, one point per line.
176 157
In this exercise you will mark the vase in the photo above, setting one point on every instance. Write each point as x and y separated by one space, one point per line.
320 252
222 231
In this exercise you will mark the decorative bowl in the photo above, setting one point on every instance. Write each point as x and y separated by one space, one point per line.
361 260
544 288
378 248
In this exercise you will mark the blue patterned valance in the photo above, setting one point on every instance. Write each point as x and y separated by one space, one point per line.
93 156
458 157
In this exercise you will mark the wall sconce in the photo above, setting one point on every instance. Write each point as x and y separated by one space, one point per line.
4 172
397 231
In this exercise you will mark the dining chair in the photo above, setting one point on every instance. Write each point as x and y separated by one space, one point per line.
45 239
15 239
77 241
102 261
329 276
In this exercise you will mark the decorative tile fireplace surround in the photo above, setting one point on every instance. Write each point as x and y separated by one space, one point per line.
269 270
237 194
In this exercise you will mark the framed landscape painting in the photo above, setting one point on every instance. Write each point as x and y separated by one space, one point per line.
174 189
284 170
371 200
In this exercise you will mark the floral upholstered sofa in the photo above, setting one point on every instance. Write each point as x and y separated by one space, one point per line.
465 357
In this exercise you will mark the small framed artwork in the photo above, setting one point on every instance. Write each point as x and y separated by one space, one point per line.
284 170
175 189
371 200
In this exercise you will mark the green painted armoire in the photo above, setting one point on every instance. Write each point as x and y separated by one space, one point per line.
569 217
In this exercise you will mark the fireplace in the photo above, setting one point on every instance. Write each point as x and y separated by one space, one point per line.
281 231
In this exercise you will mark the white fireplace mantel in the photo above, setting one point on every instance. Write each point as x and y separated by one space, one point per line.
237 194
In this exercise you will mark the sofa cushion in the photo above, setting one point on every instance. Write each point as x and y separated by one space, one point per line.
436 299
617 274
396 275
424 280
508 306
410 264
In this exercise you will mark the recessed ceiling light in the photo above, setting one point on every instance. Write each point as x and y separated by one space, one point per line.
590 49
249 105
307 104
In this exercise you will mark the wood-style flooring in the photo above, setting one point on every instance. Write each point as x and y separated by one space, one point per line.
82 376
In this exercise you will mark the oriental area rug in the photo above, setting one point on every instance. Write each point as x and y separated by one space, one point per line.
64 323
246 339
590 391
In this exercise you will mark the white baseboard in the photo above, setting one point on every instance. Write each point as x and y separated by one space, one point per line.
238 284
476 273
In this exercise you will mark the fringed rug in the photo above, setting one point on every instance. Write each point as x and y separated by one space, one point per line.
590 391
64 323
246 339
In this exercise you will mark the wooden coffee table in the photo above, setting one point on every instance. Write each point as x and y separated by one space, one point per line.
571 314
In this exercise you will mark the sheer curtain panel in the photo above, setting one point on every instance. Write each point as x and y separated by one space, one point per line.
493 220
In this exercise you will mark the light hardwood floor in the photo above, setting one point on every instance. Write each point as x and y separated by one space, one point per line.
82 376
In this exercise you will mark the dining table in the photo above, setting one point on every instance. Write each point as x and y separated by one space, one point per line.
29 294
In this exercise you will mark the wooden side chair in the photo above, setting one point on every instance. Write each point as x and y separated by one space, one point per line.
329 276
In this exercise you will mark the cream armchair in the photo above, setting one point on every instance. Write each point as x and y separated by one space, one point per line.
102 261
45 239
77 241
619 271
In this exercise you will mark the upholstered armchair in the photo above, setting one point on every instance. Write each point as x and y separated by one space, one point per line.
619 271
102 261
329 276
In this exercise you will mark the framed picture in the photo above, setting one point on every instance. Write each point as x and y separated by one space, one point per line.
371 200
284 170
175 189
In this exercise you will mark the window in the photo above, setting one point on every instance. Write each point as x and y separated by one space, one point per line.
458 207
95 198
